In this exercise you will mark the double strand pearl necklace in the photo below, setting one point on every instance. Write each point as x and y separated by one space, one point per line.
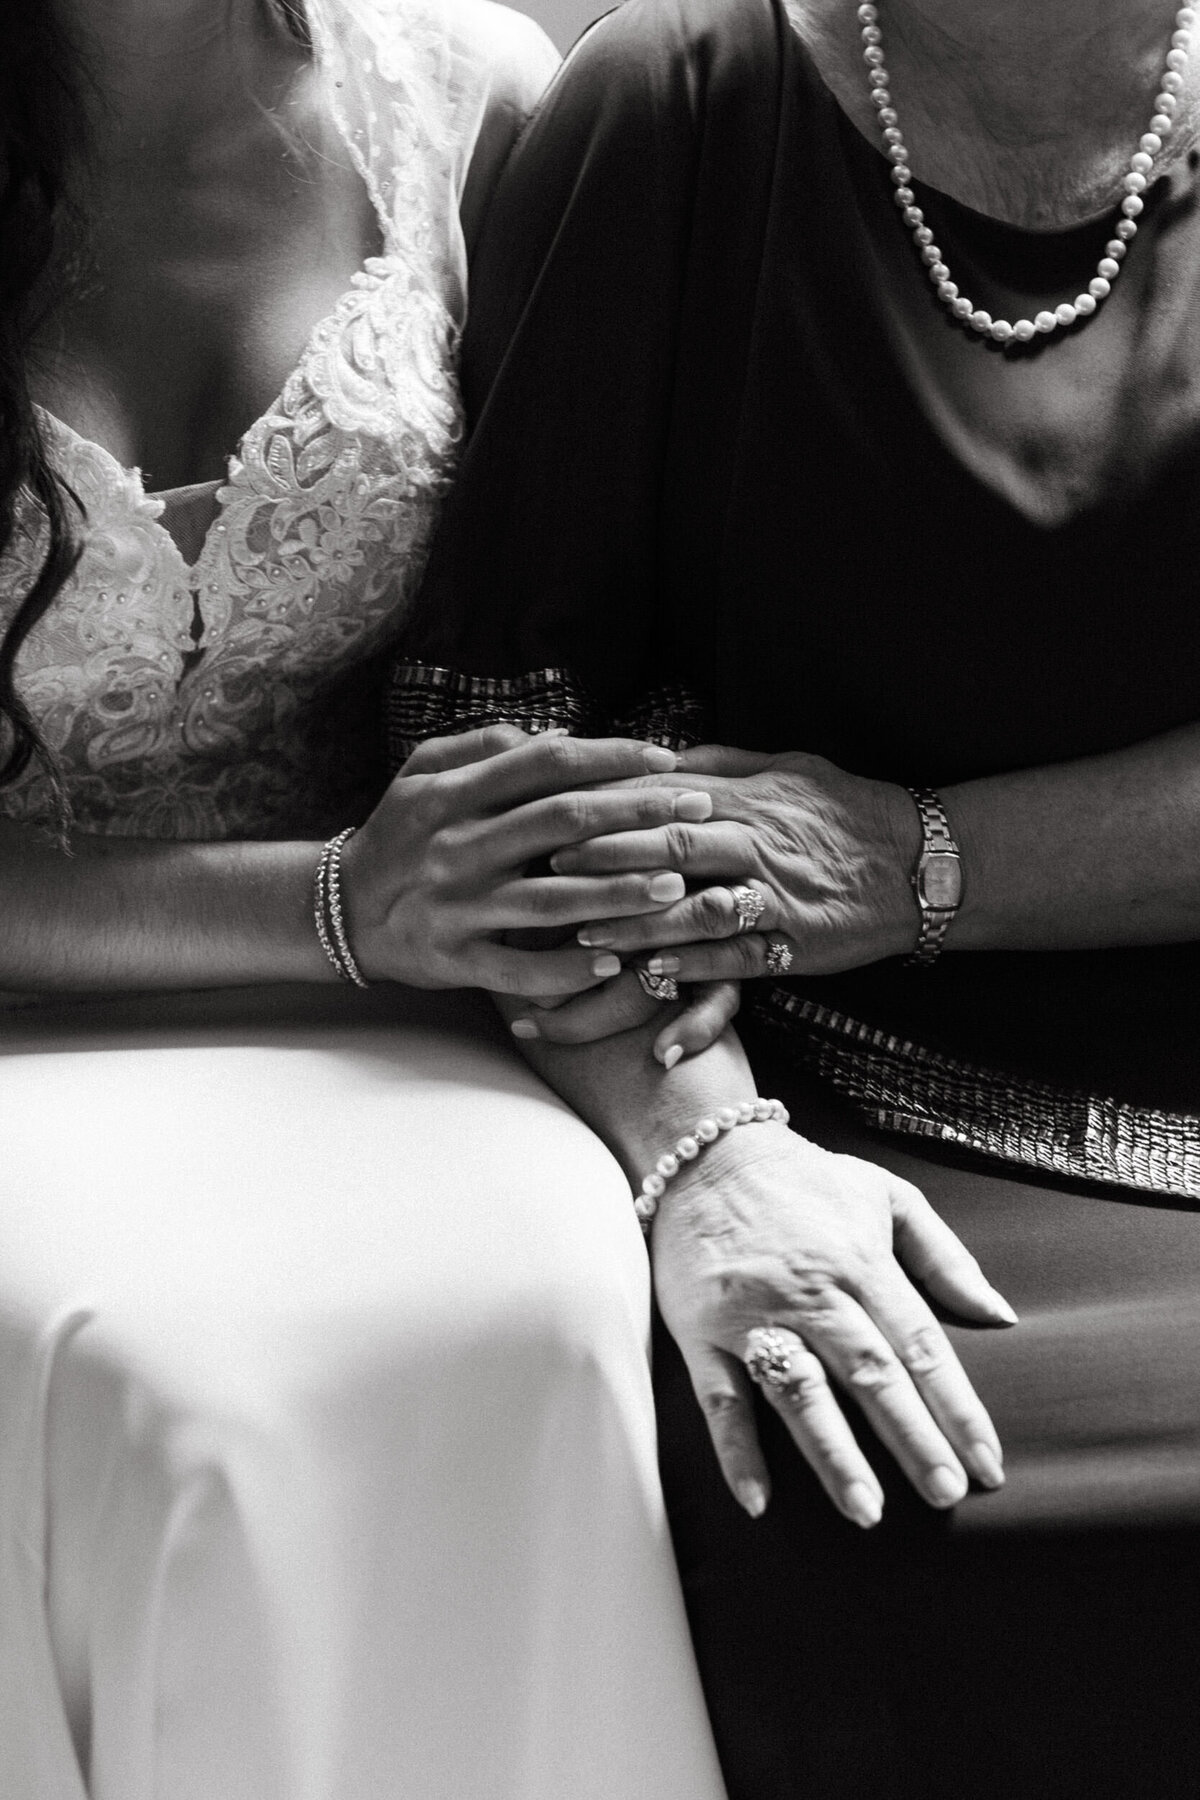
1166 105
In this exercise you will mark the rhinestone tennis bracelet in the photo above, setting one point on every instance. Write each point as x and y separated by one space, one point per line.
327 910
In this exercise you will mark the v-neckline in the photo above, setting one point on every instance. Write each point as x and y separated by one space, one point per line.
220 483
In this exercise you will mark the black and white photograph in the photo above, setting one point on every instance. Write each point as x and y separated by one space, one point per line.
599 900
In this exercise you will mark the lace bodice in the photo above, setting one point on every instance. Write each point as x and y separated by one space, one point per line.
229 697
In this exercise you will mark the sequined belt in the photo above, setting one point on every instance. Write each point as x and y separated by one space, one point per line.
902 1087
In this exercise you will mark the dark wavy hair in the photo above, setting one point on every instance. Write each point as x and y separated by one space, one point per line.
43 136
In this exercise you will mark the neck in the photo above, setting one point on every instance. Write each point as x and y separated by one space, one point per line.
1022 109
165 71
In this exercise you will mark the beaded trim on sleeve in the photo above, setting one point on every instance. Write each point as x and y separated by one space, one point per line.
898 1086
426 701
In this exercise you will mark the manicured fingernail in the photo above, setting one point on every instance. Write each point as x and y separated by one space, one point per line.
664 964
605 966
753 1496
524 1028
658 760
667 887
693 807
1003 1310
594 937
985 1465
863 1505
945 1486
670 1057
565 862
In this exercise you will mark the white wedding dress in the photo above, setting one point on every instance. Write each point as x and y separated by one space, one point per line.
327 1450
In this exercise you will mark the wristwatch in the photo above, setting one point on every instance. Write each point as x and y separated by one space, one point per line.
937 880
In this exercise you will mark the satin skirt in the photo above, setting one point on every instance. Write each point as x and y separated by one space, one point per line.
1038 1643
327 1446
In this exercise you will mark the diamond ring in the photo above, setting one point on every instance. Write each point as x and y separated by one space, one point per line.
749 905
659 987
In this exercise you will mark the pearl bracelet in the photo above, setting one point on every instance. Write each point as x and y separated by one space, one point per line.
327 910
705 1131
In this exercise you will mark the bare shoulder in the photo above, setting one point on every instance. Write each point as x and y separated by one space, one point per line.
521 60
521 56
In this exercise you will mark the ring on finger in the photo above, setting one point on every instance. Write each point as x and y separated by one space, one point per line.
749 905
768 1358
658 987
779 956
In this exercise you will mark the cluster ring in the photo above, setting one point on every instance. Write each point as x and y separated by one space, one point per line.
749 905
779 956
657 987
768 1359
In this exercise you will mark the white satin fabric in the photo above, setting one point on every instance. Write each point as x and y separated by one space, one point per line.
327 1468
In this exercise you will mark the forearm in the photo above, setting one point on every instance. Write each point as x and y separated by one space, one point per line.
1100 852
130 914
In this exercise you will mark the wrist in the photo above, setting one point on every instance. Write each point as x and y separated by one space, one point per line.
279 898
692 1149
902 839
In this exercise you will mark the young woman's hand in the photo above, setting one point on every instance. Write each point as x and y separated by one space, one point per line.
765 1232
440 871
693 1022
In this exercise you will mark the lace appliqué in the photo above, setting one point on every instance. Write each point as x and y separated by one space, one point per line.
322 525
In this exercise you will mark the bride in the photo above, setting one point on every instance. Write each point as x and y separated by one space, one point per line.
327 1468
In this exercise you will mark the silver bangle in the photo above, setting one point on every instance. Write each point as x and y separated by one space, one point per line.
327 910
687 1148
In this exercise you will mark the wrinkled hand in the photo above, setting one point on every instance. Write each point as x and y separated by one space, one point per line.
768 1230
830 853
440 871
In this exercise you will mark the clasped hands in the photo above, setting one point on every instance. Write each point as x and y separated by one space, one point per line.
827 853
643 846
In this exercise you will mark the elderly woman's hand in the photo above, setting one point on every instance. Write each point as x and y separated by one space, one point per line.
767 1233
828 853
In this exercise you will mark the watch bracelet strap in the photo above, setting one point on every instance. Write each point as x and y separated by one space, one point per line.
936 838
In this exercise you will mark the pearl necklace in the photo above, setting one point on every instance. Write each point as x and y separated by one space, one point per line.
1141 163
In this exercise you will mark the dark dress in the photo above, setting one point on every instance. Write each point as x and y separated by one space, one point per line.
732 471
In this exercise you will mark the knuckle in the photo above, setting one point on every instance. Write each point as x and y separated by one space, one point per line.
711 910
572 815
807 1387
872 1369
720 1405
749 954
680 845
562 756
926 1352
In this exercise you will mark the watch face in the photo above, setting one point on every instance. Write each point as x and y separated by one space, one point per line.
940 880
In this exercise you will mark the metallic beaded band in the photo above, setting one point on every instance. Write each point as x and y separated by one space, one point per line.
327 910
1141 165
688 1147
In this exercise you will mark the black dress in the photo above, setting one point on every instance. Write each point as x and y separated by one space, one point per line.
733 472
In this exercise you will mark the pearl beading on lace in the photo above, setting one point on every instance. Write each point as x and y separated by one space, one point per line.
687 1148
1141 164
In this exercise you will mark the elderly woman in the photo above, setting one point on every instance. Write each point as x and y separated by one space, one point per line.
833 378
